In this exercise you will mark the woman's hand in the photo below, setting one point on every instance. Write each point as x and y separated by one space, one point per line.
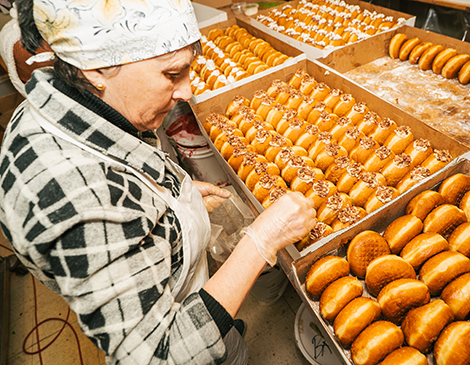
287 221
212 195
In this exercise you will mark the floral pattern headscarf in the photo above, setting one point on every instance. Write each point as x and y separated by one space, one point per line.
91 34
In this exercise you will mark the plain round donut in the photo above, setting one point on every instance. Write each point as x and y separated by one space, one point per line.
423 247
405 355
323 272
453 345
401 231
456 295
338 294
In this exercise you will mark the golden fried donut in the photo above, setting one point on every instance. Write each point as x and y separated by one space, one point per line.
459 240
407 47
327 156
465 205
422 247
304 179
276 144
385 269
357 112
405 356
295 163
399 139
259 169
423 325
349 177
382 130
323 139
375 342
395 44
365 186
418 51
453 345
400 296
337 295
330 208
350 138
265 184
320 191
453 66
363 249
363 149
444 219
464 74
437 160
401 231
353 318
320 91
344 105
273 196
412 178
456 295
442 268
337 168
427 58
321 230
423 203
323 272
442 58
454 188
368 122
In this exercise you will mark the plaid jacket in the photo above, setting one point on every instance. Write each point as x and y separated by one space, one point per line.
95 234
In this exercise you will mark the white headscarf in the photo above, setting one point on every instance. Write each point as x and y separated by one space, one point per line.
91 34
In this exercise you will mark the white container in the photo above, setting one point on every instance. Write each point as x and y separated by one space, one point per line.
203 164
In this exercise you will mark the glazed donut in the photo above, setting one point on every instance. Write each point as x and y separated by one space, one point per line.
238 155
407 47
405 356
464 74
454 188
459 240
308 138
286 153
375 342
363 249
324 139
368 123
289 172
330 208
276 144
456 295
262 139
442 268
295 128
423 203
265 184
453 66
418 51
337 295
320 91
306 107
344 105
412 178
364 149
395 44
323 272
400 296
333 98
350 138
396 169
337 168
401 231
249 161
399 139
316 111
320 191
423 325
444 219
442 58
385 269
357 112
304 179
381 196
419 150
353 318
273 196
423 247
326 121
437 160
453 345
428 56
365 186
259 169
328 155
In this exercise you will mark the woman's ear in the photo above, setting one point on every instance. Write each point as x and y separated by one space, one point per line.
96 78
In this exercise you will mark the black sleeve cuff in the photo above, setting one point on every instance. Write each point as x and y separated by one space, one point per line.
222 319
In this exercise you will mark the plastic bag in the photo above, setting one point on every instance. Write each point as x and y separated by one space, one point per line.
226 222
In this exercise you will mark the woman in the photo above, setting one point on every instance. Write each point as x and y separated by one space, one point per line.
96 210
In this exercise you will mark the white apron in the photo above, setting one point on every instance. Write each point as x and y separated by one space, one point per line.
196 234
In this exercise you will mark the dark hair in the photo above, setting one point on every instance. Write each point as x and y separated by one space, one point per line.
31 40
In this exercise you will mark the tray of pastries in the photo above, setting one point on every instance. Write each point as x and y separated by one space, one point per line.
322 137
320 26
398 291
423 73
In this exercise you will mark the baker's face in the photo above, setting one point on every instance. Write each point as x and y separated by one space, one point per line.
145 91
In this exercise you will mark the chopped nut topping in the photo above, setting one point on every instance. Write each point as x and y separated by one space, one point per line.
384 193
276 193
352 132
307 80
240 151
259 94
278 141
334 202
421 144
383 152
295 94
267 181
371 118
308 100
355 170
420 173
342 161
321 188
370 178
443 155
367 143
262 135
320 106
312 129
285 154
403 131
325 137
261 167
296 161
349 215
360 107
336 92
385 123
343 121
318 231
238 100
332 149
321 86
289 114
296 124
346 98
306 174
402 161
250 158
267 100
279 107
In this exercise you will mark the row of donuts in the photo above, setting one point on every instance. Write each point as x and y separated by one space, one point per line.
229 56
327 23
423 242
327 158
444 61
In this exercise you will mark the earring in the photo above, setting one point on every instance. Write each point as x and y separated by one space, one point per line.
100 87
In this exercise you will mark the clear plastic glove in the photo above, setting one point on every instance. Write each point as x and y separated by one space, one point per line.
212 195
286 221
